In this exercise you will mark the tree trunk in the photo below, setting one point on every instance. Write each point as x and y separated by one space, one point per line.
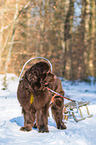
92 52
85 38
1 33
68 37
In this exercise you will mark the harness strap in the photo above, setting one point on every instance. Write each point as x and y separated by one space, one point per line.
53 98
30 87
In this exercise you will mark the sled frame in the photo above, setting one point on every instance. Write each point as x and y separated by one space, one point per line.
72 108
33 59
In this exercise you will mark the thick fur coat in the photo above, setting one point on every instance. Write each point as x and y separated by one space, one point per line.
34 83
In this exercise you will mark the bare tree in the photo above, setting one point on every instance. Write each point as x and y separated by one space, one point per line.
14 25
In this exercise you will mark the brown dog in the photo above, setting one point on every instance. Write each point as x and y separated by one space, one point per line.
35 98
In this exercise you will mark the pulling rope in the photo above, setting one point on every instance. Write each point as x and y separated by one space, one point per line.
59 95
55 96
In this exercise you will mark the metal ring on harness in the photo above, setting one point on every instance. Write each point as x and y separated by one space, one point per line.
32 59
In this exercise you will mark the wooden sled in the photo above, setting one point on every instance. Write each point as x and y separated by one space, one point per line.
73 108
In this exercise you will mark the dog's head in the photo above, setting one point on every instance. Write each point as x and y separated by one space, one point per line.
38 73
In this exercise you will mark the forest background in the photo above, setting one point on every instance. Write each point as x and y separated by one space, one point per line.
63 31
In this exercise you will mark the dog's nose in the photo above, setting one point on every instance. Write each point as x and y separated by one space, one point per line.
46 83
55 77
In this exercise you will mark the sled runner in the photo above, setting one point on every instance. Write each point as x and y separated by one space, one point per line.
74 108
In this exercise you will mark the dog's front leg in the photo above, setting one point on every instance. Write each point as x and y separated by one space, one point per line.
42 120
29 118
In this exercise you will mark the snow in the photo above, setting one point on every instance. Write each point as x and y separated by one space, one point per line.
11 118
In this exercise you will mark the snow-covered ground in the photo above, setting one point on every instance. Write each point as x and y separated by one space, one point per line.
11 119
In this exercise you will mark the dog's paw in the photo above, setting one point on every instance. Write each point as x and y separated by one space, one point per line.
62 126
25 129
43 129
